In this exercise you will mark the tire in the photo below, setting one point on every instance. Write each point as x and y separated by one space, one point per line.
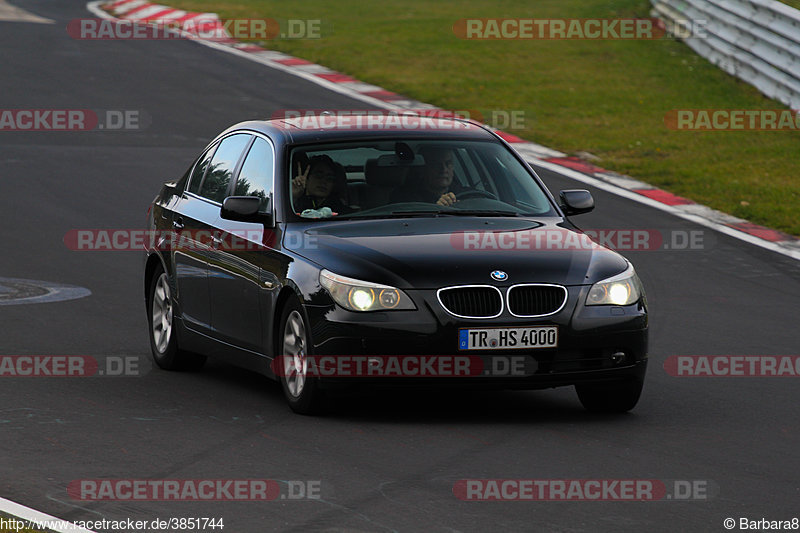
163 333
611 397
302 391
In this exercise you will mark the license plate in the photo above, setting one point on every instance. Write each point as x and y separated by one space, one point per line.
508 338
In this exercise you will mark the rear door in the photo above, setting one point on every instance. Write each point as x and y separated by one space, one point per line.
190 255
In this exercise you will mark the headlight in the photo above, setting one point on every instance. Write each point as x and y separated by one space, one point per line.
357 295
622 289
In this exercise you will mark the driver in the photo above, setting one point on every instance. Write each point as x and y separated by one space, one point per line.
435 184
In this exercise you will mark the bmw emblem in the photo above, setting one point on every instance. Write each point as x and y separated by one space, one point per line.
499 275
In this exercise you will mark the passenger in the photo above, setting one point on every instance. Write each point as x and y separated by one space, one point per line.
321 184
435 183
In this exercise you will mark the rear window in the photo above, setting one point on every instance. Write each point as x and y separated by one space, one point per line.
200 170
218 176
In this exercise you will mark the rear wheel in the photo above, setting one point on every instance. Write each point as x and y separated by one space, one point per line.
301 389
611 397
163 337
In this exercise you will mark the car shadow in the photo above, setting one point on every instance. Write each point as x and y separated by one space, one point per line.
420 404
459 405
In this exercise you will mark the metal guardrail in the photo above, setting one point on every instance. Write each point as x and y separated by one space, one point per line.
757 41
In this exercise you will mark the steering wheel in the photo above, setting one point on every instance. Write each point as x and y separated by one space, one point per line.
475 193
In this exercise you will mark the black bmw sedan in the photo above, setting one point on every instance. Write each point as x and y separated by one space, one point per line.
330 251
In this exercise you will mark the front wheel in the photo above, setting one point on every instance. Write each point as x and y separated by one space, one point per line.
163 338
301 390
611 397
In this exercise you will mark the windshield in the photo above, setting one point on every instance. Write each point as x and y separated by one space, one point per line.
384 179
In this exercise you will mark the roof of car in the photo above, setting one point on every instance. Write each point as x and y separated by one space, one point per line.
315 127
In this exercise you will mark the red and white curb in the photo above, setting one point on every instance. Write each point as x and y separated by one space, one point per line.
536 154
144 12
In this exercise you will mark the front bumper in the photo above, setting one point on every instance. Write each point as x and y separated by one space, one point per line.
595 343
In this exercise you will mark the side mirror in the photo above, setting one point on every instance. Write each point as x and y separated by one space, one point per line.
576 201
246 209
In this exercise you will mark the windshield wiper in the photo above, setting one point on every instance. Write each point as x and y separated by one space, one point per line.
422 212
437 213
459 213
483 213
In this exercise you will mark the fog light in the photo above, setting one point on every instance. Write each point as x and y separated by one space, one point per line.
617 357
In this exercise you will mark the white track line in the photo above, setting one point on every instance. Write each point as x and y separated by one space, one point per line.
9 13
34 516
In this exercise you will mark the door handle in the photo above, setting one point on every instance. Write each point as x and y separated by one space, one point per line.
178 224
215 241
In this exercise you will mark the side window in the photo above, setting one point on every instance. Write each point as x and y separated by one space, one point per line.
199 170
255 178
218 177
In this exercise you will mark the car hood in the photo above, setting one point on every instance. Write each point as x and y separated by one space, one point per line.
430 253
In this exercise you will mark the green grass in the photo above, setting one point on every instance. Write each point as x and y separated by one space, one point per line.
605 97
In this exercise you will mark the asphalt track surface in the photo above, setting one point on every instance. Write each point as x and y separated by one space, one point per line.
385 461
